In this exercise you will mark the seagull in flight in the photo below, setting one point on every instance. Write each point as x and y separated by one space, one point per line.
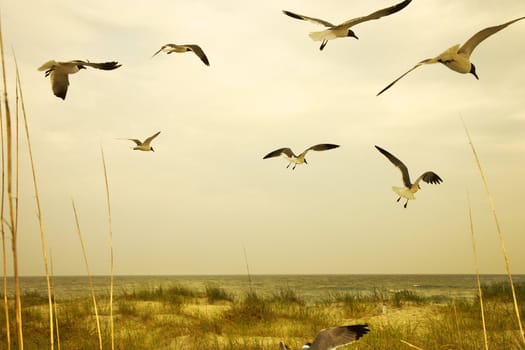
332 338
343 30
410 188
144 145
300 159
58 72
196 49
457 57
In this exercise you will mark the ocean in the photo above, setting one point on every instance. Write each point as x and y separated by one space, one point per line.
308 287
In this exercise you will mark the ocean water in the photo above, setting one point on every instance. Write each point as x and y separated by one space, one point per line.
308 287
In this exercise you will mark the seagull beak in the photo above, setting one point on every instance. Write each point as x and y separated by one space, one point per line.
156 53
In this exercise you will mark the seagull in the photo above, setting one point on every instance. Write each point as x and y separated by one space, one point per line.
342 30
300 159
408 191
144 146
332 338
59 71
169 48
457 57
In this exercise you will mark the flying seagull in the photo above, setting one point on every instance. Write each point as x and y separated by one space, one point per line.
58 72
196 49
410 188
343 30
144 146
300 159
457 57
332 338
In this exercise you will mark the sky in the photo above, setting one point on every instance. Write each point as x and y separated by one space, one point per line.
206 195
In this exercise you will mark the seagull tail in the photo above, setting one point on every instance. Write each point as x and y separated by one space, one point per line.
47 65
322 35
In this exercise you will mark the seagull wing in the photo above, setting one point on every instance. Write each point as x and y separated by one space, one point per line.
429 177
309 19
198 51
149 139
335 337
428 60
104 65
376 15
59 83
397 163
137 141
471 43
280 151
320 147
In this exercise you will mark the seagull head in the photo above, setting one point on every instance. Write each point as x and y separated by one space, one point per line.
473 70
352 34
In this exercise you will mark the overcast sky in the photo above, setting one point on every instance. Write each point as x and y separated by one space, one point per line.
191 206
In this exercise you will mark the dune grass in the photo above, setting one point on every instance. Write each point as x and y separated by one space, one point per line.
179 317
500 234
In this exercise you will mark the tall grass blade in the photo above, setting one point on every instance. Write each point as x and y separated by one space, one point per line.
39 207
500 233
476 264
55 306
90 278
247 267
14 236
2 230
111 323
410 345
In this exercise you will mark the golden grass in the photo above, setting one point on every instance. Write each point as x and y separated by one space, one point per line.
476 265
500 233
111 321
90 278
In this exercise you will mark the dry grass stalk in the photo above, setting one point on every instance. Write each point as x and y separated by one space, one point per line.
247 266
13 228
2 230
55 306
500 233
90 278
111 323
39 213
411 345
480 293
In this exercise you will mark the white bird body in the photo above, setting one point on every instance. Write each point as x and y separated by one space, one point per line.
457 57
328 34
405 192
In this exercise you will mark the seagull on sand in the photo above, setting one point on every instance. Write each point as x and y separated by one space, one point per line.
58 72
300 159
457 57
196 49
332 338
144 146
343 30
410 188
